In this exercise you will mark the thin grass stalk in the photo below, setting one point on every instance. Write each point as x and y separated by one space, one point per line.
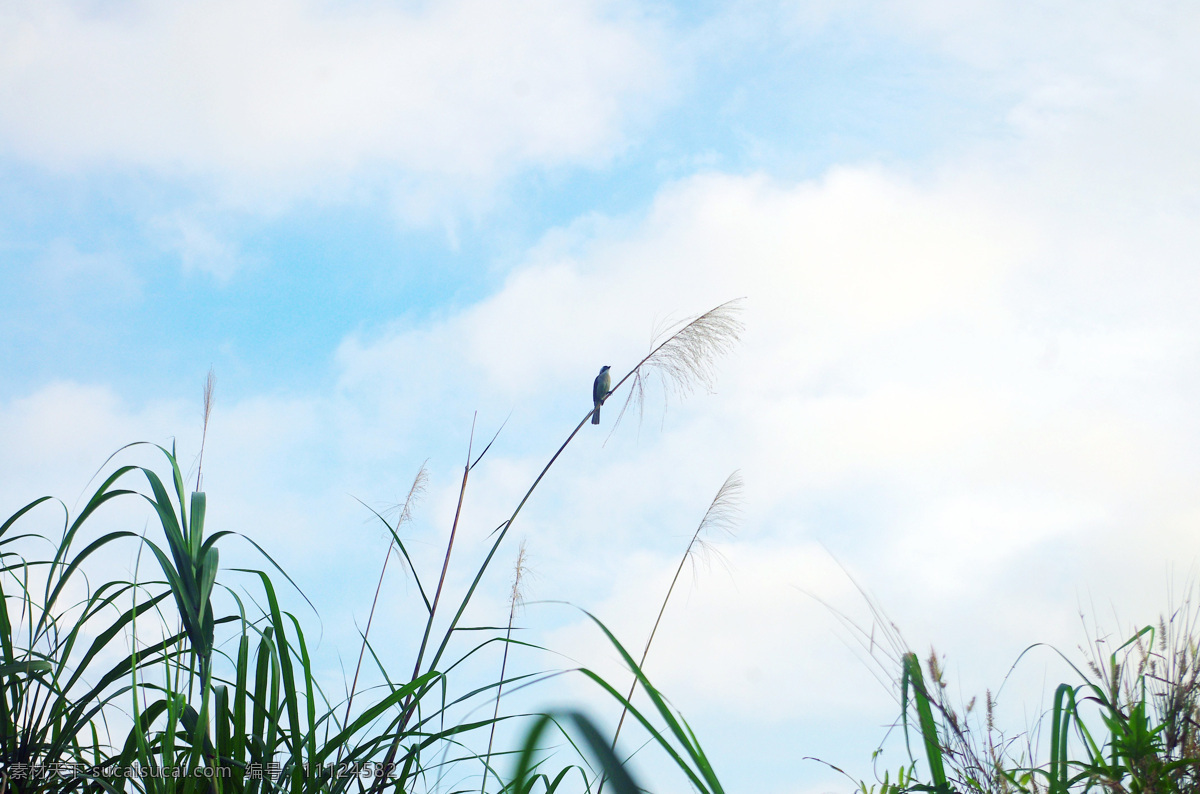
410 703
418 487
462 492
720 514
514 601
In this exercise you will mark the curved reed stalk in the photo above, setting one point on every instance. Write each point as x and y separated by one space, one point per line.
420 482
721 515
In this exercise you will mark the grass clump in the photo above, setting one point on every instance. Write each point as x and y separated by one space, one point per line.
1129 724
182 682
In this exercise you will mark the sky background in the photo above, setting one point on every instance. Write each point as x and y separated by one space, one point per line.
966 234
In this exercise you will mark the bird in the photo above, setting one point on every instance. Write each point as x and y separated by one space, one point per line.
600 391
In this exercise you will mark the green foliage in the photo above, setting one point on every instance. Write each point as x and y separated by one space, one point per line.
174 713
172 685
911 680
1130 727
905 781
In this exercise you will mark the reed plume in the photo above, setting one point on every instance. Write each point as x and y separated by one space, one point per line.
210 383
515 600
686 356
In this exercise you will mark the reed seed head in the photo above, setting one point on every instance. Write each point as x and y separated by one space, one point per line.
685 357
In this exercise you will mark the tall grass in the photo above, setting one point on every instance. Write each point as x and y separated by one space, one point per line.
1128 724
180 682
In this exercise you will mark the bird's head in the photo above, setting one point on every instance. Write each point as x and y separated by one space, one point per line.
604 369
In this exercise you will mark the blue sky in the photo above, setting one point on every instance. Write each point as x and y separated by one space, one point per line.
964 232
268 290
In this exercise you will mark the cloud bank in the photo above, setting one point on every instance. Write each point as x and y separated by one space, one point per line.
282 98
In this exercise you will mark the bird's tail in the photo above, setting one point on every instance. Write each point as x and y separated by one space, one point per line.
596 416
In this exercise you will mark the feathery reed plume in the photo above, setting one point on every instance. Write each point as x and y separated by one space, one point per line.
209 384
686 358
515 600
420 482
722 516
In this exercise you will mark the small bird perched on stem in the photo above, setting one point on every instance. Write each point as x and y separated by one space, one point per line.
600 391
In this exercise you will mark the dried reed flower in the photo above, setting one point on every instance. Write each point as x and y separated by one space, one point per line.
419 486
686 357
210 384
722 518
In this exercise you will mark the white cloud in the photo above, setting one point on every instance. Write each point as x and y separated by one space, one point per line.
198 246
736 636
1103 96
64 275
854 256
909 391
919 387
274 97
977 388
62 433
1067 36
